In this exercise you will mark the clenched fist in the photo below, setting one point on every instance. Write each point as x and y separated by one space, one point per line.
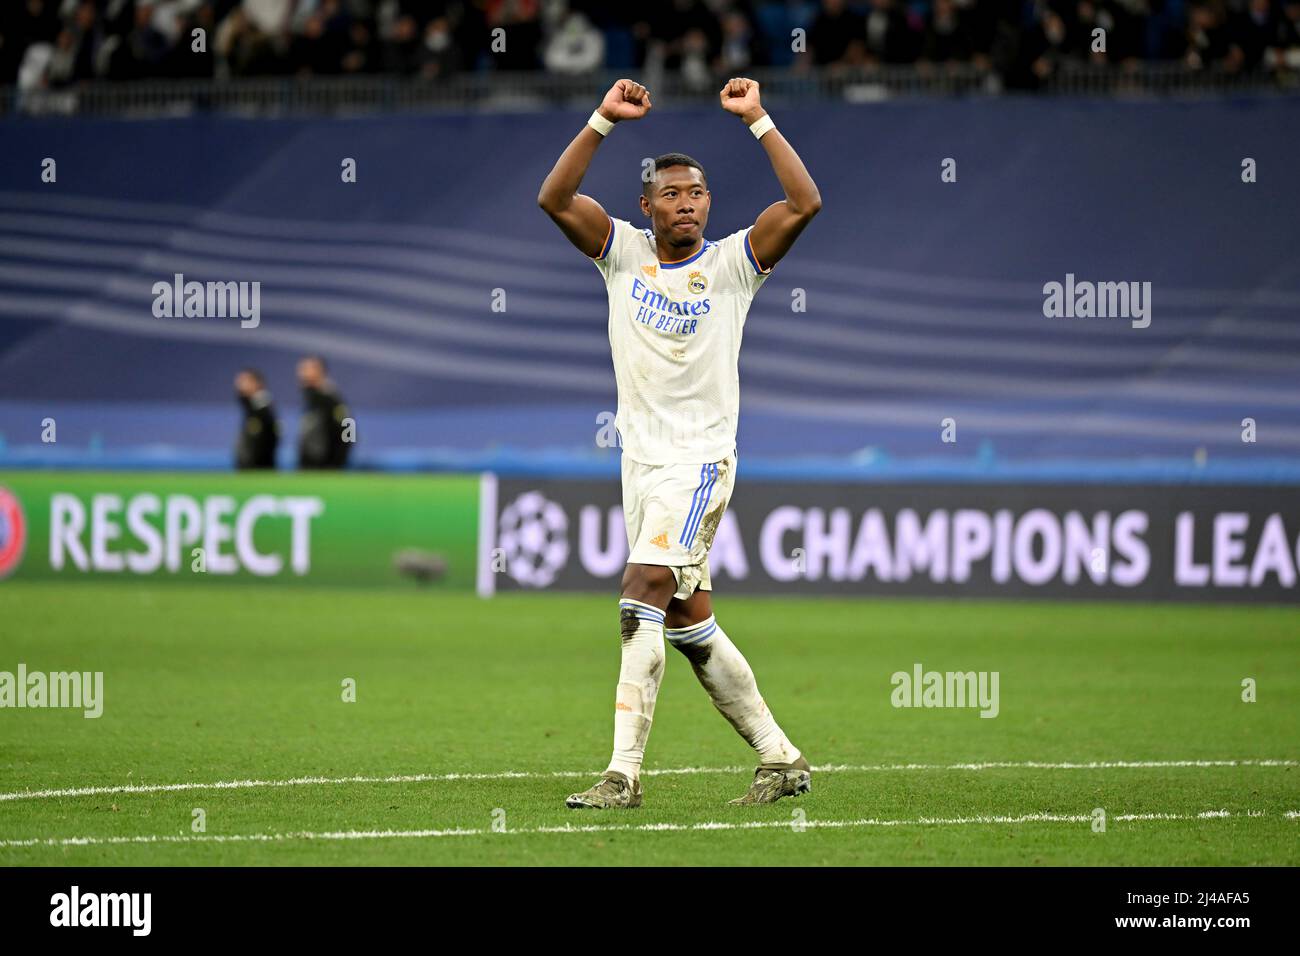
740 96
626 100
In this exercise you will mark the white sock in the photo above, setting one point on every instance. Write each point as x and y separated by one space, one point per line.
726 675
642 629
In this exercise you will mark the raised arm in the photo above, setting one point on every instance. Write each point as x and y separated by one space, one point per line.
779 225
580 217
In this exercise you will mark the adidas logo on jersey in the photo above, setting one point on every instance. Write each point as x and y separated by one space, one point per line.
661 541
650 270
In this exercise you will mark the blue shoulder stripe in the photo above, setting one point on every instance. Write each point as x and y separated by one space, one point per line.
609 240
753 259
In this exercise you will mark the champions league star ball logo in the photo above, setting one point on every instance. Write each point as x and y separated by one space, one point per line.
13 533
533 534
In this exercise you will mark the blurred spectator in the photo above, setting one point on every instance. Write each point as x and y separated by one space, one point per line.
148 45
521 21
947 37
1046 45
254 38
259 432
979 19
1252 30
838 35
272 17
1284 52
29 29
439 53
695 54
1126 39
400 25
1208 41
323 435
890 36
576 46
742 47
322 38
682 35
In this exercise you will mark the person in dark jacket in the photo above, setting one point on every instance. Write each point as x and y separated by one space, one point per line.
259 432
326 432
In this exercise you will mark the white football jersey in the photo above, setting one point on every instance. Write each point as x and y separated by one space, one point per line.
675 330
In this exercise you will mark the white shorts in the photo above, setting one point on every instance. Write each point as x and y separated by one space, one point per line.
672 513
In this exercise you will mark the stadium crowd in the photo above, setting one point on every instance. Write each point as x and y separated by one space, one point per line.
56 43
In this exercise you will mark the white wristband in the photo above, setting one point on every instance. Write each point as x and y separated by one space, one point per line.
599 123
761 126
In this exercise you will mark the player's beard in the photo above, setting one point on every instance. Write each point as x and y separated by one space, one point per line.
679 240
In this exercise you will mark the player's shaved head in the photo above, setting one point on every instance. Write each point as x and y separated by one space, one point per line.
676 201
668 160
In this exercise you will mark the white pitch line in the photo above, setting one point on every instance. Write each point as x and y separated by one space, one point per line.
564 774
624 828
1089 765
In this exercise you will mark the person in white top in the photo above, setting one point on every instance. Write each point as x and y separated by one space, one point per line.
677 307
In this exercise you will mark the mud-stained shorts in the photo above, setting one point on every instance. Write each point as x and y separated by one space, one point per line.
672 513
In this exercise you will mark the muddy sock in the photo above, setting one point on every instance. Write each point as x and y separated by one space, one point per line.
729 681
642 629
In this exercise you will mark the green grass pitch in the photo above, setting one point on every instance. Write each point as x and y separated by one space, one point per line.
224 684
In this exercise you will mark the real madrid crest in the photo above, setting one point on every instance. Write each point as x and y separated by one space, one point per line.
696 282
